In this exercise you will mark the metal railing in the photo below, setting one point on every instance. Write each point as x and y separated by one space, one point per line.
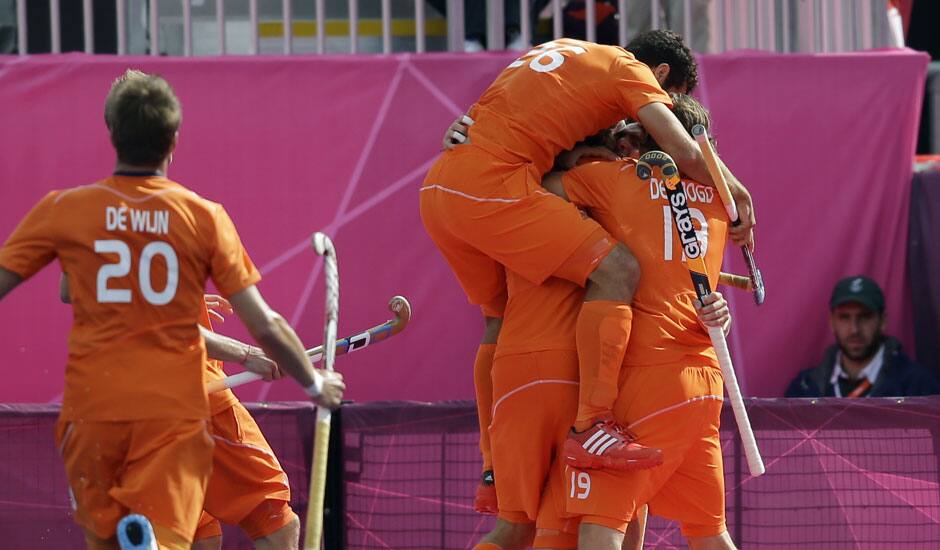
774 25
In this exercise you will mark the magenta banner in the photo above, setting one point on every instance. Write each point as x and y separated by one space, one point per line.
340 144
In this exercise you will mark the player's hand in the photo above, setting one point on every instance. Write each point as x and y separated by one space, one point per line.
458 133
217 306
713 311
569 159
333 388
743 234
259 363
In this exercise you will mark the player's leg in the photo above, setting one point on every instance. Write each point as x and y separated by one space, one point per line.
485 500
717 542
636 530
599 537
248 487
208 533
284 538
115 468
484 282
535 396
507 535
694 495
166 472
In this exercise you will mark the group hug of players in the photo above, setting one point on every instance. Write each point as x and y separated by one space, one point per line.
598 389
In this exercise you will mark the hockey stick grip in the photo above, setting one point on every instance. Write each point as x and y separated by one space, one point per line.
755 463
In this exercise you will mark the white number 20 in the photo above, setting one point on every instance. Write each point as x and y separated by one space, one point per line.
580 485
551 51
123 266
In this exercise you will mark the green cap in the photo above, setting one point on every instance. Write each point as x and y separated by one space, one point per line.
858 289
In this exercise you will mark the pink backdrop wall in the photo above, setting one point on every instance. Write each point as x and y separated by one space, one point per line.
340 144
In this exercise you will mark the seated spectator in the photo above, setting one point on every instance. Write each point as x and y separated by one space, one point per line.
864 362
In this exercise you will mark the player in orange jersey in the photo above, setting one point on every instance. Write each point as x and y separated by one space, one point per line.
248 487
137 249
484 208
535 393
671 385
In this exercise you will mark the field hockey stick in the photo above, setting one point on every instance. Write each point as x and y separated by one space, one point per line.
695 262
314 525
711 160
736 281
398 305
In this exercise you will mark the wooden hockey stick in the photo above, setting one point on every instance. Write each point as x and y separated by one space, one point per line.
314 524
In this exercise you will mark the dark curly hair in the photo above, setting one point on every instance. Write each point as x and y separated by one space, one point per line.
662 46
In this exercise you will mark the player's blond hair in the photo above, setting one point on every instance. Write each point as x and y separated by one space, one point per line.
689 112
143 116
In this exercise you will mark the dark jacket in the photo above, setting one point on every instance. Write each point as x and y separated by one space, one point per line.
899 376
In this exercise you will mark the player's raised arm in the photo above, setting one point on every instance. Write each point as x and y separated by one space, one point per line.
675 140
280 343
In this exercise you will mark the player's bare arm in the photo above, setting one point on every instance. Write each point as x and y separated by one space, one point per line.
675 140
8 281
230 350
280 343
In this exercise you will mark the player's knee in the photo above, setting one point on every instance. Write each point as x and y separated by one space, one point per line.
510 535
268 518
618 273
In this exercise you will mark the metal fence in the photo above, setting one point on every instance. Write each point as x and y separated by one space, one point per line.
217 27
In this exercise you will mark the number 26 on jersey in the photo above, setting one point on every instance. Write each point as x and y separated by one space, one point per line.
548 57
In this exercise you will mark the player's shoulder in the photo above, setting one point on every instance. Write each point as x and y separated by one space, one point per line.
598 165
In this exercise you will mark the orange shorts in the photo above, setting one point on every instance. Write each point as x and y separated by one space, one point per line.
156 468
675 408
484 213
248 487
535 401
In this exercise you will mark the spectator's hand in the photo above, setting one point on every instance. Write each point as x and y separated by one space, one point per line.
743 234
259 363
713 311
569 159
458 133
217 306
333 388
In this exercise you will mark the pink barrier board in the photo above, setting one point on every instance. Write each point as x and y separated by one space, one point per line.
341 144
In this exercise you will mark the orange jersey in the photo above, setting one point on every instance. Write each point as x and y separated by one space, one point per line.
556 95
666 328
137 252
220 400
539 317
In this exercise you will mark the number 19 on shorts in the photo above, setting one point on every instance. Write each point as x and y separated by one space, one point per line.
580 485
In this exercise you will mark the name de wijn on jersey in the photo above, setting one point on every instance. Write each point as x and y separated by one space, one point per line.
156 222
